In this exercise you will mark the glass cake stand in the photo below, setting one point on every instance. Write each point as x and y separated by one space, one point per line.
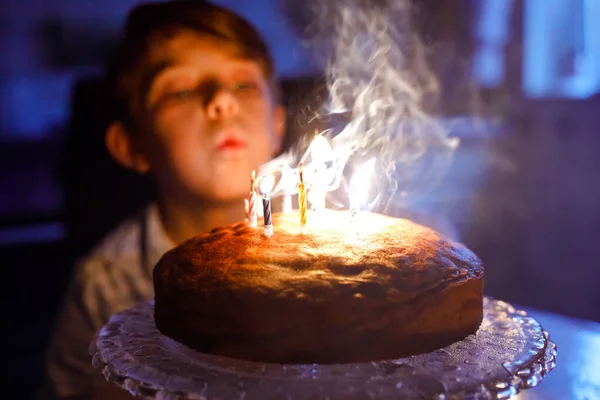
509 352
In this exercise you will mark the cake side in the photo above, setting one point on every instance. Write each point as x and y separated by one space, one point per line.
319 296
435 322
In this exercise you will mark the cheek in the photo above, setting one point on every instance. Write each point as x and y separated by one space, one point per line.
174 119
178 140
265 139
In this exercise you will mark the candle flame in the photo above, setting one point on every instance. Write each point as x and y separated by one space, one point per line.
320 150
379 81
287 183
266 184
359 183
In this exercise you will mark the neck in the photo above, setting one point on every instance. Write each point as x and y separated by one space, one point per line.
182 221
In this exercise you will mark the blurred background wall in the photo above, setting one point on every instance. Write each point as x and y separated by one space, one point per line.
520 82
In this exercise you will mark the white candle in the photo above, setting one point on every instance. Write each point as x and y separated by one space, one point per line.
359 184
316 196
321 153
287 204
288 184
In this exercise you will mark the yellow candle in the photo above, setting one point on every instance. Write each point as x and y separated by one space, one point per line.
302 197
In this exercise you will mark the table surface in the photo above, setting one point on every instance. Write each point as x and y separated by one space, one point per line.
577 372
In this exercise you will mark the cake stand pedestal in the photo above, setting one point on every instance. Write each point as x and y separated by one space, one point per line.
509 352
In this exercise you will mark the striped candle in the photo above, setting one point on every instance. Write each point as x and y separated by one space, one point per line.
267 216
252 214
266 186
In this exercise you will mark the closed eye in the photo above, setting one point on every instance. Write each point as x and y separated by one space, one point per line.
246 86
180 94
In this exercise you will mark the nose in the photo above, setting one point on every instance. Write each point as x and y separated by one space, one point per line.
222 104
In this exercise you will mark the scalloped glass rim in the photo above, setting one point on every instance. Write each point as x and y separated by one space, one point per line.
509 353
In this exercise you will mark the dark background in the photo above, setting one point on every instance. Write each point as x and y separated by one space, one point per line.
520 84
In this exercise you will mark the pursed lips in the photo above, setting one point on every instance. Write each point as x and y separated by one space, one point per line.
231 142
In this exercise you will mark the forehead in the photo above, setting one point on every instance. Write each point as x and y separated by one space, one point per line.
202 51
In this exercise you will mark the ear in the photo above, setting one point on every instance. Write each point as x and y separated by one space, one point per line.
122 149
280 125
280 121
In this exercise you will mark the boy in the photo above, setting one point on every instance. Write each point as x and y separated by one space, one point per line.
196 106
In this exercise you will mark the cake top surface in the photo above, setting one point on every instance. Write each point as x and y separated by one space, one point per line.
372 256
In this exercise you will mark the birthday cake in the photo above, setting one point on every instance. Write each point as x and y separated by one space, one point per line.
334 291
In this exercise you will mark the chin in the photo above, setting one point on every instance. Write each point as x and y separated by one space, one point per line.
223 188
229 195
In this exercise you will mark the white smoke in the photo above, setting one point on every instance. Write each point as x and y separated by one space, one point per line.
378 81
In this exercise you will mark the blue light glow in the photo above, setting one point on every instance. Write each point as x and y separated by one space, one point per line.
491 29
561 48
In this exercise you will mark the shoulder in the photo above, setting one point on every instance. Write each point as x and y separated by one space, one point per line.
122 241
108 280
111 277
121 246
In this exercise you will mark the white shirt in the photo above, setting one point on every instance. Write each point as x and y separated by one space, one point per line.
116 275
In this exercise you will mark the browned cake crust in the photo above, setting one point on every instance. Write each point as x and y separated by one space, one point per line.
335 292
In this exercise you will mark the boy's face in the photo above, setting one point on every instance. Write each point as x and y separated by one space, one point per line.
212 119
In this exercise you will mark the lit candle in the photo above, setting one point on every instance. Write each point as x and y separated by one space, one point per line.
286 177
359 185
316 196
287 204
353 197
321 153
251 205
302 197
266 185
320 150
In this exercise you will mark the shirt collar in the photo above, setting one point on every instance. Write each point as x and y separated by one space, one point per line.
157 240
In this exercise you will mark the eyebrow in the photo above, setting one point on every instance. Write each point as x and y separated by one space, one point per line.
152 73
